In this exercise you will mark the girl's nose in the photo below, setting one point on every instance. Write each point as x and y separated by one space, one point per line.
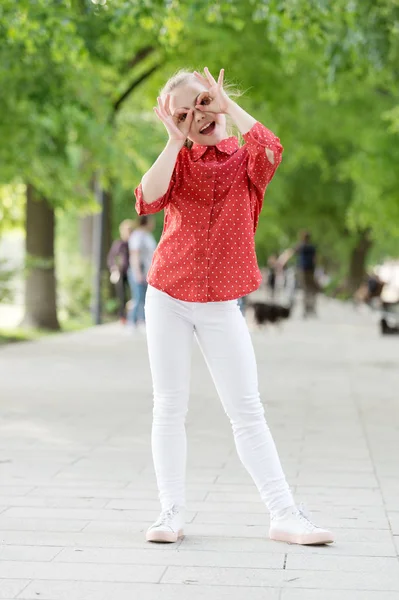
198 115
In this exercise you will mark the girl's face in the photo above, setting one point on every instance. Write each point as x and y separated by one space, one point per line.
207 128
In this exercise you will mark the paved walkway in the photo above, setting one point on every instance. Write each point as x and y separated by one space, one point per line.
77 486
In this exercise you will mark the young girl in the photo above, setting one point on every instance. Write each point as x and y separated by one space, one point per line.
212 192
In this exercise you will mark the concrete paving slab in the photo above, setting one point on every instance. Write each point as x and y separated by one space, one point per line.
78 487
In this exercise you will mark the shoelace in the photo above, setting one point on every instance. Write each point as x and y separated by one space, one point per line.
305 516
167 515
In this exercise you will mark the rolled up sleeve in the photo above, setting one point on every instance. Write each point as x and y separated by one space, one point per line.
265 153
145 208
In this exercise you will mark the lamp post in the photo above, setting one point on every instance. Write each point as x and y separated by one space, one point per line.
98 243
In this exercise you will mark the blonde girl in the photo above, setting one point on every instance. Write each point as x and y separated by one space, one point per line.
211 190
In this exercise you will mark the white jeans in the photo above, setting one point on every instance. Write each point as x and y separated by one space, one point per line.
224 339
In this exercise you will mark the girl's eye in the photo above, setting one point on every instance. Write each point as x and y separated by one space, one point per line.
182 117
205 101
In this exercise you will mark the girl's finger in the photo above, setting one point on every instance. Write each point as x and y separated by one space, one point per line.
174 128
167 104
189 118
161 104
188 114
209 76
221 78
204 99
170 125
156 111
201 78
161 108
210 109
161 116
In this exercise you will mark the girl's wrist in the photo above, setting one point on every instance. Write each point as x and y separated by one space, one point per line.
240 117
175 144
231 105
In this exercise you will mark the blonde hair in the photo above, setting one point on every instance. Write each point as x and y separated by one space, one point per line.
179 78
127 223
182 77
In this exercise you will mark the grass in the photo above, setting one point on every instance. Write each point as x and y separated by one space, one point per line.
76 323
8 336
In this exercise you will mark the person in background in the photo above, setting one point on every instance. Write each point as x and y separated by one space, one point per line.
118 264
242 303
142 246
369 290
305 252
272 275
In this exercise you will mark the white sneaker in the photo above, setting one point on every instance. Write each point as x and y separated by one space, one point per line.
169 527
295 527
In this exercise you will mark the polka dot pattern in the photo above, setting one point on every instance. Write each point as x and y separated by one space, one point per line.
207 249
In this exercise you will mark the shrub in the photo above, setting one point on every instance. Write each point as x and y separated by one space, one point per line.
6 282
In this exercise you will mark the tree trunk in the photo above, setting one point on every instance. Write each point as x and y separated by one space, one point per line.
86 232
108 237
40 287
86 227
109 289
357 265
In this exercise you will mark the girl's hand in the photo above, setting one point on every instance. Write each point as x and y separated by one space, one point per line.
215 100
177 125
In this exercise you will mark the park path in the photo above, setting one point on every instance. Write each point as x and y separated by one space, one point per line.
77 488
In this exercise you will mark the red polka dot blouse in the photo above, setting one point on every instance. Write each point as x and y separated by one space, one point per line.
207 249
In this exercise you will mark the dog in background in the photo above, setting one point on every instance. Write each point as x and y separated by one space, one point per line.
268 313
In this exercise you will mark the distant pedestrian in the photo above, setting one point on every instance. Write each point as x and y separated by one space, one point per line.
306 254
142 245
272 275
118 264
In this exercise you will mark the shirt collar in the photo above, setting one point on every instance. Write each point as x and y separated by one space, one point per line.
228 146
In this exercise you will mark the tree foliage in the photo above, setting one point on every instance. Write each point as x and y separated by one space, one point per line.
79 79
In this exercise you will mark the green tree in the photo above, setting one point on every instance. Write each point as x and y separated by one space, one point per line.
327 102
67 68
323 75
